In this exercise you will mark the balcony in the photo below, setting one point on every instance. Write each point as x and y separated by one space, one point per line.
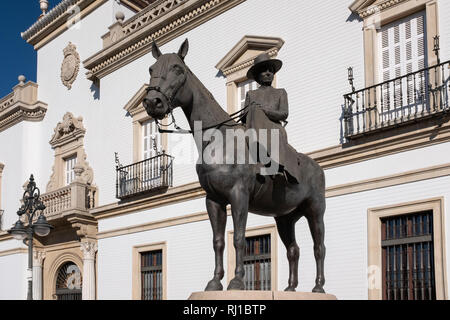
408 99
76 198
152 175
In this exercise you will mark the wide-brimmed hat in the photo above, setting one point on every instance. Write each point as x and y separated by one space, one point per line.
262 60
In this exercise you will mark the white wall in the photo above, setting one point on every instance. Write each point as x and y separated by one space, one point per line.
13 282
191 256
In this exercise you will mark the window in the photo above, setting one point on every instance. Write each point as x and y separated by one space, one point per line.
68 145
151 275
149 272
260 252
145 133
402 47
150 139
408 261
69 165
406 252
68 282
257 263
235 64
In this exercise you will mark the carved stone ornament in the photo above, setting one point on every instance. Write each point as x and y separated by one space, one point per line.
70 65
70 128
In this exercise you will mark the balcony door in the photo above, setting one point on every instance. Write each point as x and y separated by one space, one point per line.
402 51
151 145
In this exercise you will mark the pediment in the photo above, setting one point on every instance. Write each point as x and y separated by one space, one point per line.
366 8
135 105
70 129
359 5
246 50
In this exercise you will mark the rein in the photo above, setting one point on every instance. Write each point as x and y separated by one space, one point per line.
236 115
171 97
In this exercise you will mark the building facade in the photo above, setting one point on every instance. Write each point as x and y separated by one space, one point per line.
129 214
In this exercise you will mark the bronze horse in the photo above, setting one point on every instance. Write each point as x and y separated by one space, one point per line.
173 84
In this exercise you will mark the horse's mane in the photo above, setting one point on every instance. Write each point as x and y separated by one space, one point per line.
217 112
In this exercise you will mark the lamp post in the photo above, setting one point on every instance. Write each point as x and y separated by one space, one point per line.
31 205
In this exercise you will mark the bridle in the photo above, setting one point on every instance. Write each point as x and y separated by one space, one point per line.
170 99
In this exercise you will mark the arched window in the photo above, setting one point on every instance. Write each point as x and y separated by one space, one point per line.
68 282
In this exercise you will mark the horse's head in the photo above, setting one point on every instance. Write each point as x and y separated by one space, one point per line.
167 79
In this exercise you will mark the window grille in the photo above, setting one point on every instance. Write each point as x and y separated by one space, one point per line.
151 275
257 263
408 257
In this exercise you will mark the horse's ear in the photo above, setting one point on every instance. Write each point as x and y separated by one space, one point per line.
155 51
184 49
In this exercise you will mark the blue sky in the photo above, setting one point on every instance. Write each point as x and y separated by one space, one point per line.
16 56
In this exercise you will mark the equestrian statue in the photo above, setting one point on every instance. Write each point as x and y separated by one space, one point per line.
295 190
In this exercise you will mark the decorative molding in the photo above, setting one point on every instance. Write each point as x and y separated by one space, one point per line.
38 257
67 140
58 19
194 191
389 181
231 62
173 195
137 5
21 105
68 130
13 251
149 26
422 135
365 8
135 106
70 65
374 216
89 248
136 268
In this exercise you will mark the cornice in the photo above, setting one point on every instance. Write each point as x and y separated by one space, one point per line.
366 8
57 20
134 106
247 63
268 44
21 105
184 17
22 112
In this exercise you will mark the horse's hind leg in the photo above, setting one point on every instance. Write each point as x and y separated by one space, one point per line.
286 230
314 215
218 218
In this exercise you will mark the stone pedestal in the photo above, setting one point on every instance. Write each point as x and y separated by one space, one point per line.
259 295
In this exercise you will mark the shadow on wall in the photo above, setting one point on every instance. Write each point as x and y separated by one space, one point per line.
95 90
353 17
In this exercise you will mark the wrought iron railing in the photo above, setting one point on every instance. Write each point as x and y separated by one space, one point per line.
145 176
406 99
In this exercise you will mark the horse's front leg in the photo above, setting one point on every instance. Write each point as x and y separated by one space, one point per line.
239 211
218 217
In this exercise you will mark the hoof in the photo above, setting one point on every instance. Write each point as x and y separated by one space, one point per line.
236 284
214 285
291 289
318 289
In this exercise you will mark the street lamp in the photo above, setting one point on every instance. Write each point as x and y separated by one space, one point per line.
31 205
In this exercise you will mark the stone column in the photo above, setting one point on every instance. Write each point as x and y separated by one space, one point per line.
38 258
88 288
